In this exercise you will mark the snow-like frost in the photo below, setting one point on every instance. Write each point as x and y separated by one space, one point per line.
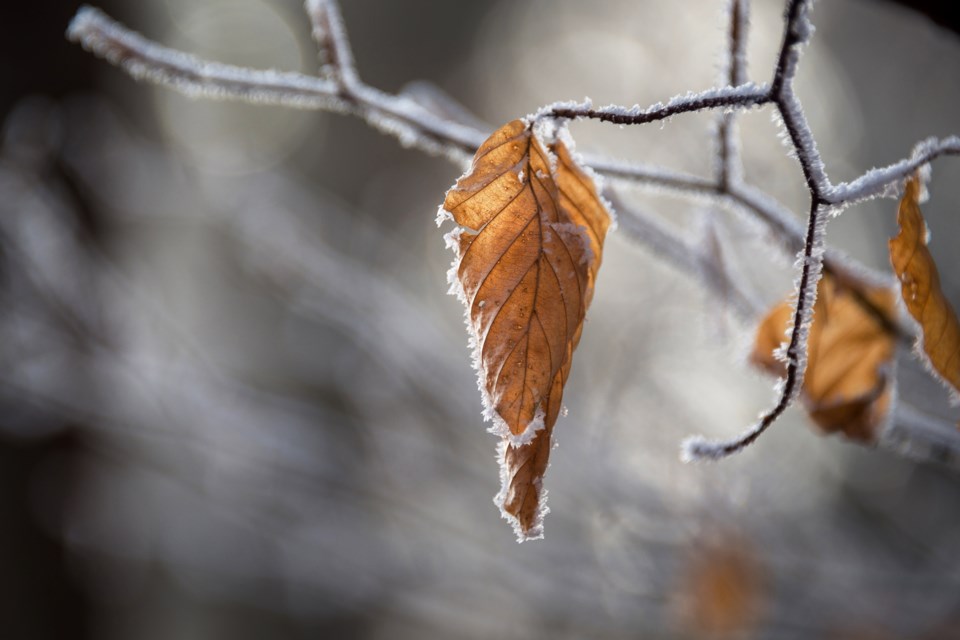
442 216
546 110
801 143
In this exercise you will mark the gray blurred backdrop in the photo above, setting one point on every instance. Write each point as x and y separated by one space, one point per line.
235 401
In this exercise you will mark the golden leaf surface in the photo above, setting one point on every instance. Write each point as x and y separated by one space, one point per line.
532 225
848 384
920 289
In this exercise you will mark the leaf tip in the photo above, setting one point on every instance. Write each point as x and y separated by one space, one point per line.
525 531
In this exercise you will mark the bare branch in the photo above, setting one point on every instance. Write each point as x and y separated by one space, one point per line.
336 56
796 354
728 157
143 59
193 76
745 96
797 30
877 182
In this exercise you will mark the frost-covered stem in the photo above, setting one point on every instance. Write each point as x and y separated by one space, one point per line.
728 160
698 448
686 256
744 96
796 33
195 77
876 182
797 30
329 32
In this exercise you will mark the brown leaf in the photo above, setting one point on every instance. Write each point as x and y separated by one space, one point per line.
920 289
847 387
532 225
722 591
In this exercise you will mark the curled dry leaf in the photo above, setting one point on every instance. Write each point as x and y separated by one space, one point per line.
529 241
848 386
920 289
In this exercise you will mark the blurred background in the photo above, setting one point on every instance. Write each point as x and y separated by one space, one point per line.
235 401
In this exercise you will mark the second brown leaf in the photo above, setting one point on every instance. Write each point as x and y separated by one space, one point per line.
921 292
848 385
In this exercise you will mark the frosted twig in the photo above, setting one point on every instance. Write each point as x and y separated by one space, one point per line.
698 448
728 157
193 76
744 96
143 59
877 182
336 56
797 31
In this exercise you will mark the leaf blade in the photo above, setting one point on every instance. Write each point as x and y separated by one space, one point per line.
921 292
528 248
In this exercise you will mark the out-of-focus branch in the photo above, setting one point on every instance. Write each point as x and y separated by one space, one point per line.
728 156
684 254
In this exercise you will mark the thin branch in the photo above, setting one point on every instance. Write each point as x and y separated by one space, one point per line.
796 32
745 96
698 448
876 182
336 56
728 157
143 59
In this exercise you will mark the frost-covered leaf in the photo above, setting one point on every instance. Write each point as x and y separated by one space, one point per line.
848 385
528 247
920 289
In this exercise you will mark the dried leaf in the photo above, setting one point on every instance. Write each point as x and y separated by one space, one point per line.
532 225
920 289
722 590
848 385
